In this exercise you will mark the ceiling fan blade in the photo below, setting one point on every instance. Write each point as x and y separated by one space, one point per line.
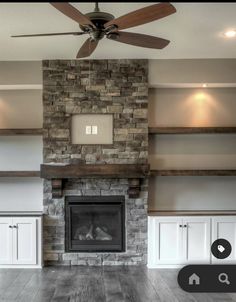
50 34
71 12
142 16
138 39
87 48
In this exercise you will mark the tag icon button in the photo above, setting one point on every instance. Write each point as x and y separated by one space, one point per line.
221 248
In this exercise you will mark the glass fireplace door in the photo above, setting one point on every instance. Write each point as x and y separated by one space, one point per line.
95 226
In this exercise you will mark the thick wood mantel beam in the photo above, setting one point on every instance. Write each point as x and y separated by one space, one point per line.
93 171
57 173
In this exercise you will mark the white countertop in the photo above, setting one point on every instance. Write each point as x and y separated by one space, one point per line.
191 213
21 213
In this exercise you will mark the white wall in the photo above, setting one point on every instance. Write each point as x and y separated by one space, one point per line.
193 151
192 71
20 153
192 193
17 194
22 72
192 107
20 109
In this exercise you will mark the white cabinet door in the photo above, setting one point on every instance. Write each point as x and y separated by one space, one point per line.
224 227
5 240
196 240
165 240
24 240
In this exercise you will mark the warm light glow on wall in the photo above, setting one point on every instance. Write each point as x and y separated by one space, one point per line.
230 33
202 106
200 97
4 112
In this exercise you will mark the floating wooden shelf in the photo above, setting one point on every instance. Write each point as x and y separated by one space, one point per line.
132 172
26 131
191 213
193 172
190 85
22 87
191 130
19 173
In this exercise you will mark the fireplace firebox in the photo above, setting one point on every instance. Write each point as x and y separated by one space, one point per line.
95 224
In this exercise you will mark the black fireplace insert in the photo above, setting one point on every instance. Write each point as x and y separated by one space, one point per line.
95 224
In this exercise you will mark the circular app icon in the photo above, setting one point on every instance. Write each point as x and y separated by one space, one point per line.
221 248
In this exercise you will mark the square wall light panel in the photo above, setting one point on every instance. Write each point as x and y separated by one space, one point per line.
92 129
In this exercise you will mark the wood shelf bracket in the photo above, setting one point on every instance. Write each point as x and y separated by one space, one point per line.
134 187
57 188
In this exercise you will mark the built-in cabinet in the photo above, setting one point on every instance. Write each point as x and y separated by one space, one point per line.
196 239
187 240
223 227
22 242
165 240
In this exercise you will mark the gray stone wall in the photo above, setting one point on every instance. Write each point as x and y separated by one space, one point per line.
119 87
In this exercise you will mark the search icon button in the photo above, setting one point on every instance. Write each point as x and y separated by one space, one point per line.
223 278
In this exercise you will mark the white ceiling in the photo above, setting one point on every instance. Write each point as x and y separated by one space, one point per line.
195 31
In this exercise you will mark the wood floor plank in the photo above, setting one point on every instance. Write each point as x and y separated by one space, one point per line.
232 296
7 277
136 287
63 287
144 287
29 291
73 286
170 277
164 291
218 297
91 286
46 284
14 288
129 292
212 297
112 287
202 297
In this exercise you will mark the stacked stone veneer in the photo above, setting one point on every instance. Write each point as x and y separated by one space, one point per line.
118 87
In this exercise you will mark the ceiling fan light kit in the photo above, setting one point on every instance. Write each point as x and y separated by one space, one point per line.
99 24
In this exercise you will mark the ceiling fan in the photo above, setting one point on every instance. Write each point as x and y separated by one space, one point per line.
99 24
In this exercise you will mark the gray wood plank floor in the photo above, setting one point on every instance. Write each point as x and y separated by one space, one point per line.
98 284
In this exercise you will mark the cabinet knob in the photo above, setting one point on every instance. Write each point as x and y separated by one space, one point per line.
185 225
10 226
180 226
15 226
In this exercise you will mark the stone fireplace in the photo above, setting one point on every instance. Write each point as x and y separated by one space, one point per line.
120 88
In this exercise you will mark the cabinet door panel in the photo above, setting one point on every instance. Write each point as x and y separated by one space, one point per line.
168 241
5 240
197 239
225 228
24 241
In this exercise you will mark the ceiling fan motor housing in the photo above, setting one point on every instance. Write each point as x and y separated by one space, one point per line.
99 19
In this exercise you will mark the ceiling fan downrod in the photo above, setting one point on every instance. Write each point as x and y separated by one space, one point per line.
96 9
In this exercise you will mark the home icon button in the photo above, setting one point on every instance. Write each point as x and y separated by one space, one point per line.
194 279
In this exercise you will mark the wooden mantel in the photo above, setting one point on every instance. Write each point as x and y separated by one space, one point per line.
57 173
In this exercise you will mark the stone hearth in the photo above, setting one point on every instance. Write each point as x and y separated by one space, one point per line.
117 87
